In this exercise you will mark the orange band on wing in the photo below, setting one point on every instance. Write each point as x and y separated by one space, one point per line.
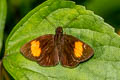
78 50
35 48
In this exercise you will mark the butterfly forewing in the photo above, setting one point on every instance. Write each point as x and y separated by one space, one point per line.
42 50
74 51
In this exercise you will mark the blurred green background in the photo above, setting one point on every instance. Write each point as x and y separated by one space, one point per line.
107 9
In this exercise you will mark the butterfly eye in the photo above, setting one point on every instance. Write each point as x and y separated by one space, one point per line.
61 31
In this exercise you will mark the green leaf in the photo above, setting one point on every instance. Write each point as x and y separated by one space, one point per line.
3 11
76 21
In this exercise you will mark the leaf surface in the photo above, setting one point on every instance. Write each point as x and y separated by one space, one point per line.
76 21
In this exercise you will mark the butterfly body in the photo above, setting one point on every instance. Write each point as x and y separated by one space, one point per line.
49 50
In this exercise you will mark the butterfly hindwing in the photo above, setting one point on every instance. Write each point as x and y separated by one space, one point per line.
42 50
74 51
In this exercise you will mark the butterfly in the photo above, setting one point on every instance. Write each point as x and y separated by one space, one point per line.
50 49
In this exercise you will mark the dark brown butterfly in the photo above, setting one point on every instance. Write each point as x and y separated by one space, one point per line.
49 50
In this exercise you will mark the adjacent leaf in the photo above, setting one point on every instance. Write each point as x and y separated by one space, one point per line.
76 21
3 10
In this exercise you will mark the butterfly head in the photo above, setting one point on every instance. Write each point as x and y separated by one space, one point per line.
59 30
59 34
